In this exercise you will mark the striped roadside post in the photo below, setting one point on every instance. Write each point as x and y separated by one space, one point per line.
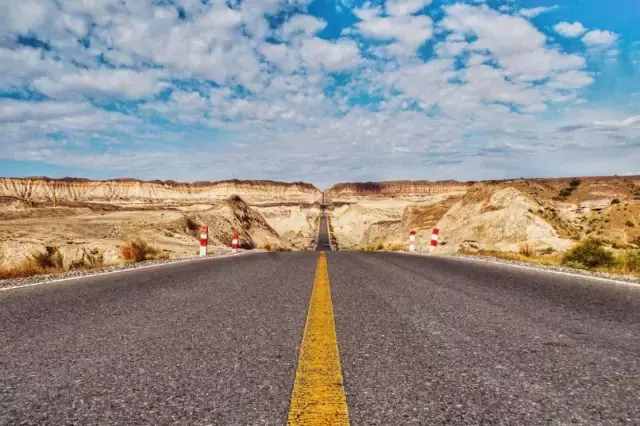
412 241
434 238
235 241
204 240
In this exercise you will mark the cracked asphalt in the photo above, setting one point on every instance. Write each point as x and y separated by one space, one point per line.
423 340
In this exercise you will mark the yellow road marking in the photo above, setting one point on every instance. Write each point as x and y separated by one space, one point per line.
318 396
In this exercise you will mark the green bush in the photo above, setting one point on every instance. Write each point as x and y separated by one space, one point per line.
588 254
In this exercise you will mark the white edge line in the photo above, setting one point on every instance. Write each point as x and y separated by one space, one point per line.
531 268
132 269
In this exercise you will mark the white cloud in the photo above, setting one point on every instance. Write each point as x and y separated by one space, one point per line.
22 111
600 39
631 122
570 30
405 7
338 56
479 97
104 82
536 11
22 66
523 55
302 24
407 32
24 16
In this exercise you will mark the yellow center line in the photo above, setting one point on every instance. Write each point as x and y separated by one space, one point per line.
318 396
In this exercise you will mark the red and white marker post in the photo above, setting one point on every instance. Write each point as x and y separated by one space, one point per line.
204 240
412 241
235 241
434 238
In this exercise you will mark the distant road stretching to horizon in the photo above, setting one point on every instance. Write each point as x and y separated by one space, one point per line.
388 339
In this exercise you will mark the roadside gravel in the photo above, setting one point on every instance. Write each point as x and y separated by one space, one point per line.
615 277
37 279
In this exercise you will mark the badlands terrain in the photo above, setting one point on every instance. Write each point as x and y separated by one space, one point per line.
87 222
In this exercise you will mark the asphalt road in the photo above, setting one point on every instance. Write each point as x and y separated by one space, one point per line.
323 236
421 340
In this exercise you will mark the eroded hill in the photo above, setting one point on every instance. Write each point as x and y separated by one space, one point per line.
543 214
80 217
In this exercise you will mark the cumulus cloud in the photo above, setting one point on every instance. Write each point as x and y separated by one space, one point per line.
405 7
570 30
524 54
338 56
102 82
600 39
245 89
302 24
405 32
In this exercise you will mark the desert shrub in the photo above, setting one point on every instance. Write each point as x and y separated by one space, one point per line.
547 251
50 258
525 250
91 259
565 192
380 247
630 224
267 247
630 261
588 254
574 183
48 261
191 226
615 201
137 251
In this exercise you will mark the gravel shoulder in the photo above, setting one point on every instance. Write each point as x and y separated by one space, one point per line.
42 279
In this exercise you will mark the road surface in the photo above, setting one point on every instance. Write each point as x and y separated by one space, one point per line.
323 236
422 340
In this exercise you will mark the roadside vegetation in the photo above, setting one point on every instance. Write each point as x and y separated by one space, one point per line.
138 250
589 255
49 261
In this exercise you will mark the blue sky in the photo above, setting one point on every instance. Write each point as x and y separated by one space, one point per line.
319 90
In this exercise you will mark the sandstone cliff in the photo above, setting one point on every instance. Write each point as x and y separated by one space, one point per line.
26 229
131 191
542 214
342 192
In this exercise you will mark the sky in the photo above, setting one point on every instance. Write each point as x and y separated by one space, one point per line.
321 91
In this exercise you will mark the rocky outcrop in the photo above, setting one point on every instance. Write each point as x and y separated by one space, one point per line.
129 191
173 232
502 220
393 189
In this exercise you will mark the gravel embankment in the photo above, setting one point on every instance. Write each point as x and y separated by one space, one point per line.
36 279
556 268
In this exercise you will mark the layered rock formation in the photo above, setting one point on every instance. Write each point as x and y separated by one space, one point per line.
541 214
159 192
344 192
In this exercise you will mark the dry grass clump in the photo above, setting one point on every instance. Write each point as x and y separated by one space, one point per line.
629 262
91 259
526 250
137 251
47 262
